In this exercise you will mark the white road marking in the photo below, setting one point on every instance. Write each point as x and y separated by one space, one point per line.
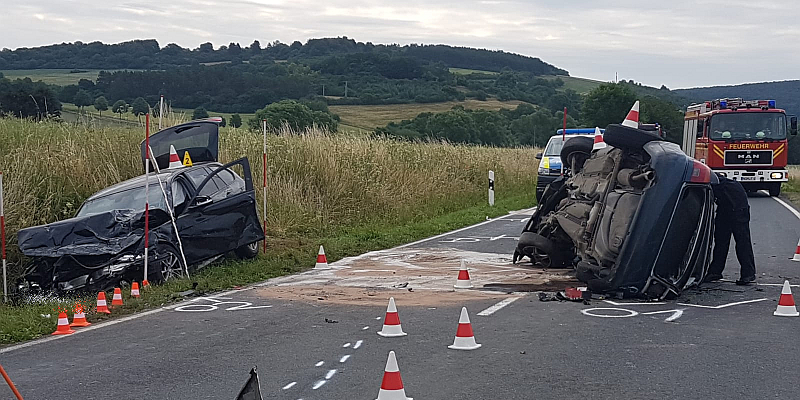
614 303
493 309
675 314
788 207
378 318
591 312
330 374
319 384
364 328
775 284
344 358
358 344
289 386
450 233
346 345
319 364
491 239
721 306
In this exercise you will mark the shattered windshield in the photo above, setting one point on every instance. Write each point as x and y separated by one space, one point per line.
748 126
130 199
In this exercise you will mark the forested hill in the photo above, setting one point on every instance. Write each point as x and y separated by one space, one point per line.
148 54
785 93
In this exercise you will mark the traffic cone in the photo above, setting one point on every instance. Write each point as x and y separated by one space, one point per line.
786 306
463 281
135 289
391 324
797 253
599 143
632 119
392 384
102 307
80 318
322 261
174 160
63 325
145 284
465 339
117 299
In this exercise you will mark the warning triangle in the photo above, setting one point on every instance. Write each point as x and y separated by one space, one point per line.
187 161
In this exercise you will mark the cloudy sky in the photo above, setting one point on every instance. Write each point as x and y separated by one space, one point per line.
676 43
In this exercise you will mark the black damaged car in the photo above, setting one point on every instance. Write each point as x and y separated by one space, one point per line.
634 218
214 210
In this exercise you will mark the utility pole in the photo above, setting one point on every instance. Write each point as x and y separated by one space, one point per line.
345 88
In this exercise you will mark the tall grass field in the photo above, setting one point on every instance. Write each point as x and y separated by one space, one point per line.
354 193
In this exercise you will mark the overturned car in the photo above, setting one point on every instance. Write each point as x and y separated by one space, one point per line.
103 245
633 218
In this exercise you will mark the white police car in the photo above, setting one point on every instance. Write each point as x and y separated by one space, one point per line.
550 160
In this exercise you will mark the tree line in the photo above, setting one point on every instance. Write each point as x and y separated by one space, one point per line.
24 98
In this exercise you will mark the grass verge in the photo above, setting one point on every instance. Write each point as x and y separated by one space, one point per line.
283 257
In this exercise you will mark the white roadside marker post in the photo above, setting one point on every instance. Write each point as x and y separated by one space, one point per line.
3 240
146 194
160 111
491 188
264 185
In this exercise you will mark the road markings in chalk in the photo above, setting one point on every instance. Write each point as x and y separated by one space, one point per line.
364 328
289 386
358 344
319 384
722 305
493 309
344 358
319 364
346 345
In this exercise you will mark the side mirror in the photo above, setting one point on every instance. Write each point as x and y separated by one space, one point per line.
539 155
201 201
793 125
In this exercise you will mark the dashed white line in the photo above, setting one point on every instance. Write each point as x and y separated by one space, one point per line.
289 386
319 364
319 384
346 345
330 374
344 358
493 309
378 318
358 344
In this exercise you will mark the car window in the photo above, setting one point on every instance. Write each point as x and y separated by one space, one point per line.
232 183
178 195
197 176
555 144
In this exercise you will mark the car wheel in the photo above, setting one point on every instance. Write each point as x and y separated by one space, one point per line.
574 146
169 266
775 189
627 138
248 251
541 250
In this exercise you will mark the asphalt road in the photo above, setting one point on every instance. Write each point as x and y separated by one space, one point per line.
720 342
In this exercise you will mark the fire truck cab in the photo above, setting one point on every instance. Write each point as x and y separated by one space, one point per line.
742 140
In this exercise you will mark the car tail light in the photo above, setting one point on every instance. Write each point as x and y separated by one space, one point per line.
700 173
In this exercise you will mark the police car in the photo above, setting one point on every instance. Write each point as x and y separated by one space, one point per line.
550 160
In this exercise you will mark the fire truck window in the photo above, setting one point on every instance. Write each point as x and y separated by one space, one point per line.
748 126
700 125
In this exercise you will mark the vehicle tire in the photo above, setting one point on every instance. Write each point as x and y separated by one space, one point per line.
169 265
579 144
542 251
627 138
248 251
775 189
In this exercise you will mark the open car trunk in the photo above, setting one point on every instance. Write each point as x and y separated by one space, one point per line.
198 138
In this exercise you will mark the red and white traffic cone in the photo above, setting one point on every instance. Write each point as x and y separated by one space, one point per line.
174 160
391 324
632 119
599 143
796 253
135 289
465 339
463 281
117 299
102 307
786 307
322 260
392 384
63 325
80 318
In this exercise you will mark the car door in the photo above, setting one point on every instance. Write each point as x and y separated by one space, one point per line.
221 215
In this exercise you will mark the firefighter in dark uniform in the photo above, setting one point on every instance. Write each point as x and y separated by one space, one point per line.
733 218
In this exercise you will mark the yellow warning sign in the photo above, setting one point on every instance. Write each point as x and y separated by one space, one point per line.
187 161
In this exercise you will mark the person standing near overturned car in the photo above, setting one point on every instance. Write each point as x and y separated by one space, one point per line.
733 219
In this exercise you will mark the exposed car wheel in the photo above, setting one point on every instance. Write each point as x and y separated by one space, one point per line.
169 265
627 138
575 146
248 251
775 189
542 251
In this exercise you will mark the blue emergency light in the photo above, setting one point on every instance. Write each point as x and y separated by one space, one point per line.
771 103
723 104
576 131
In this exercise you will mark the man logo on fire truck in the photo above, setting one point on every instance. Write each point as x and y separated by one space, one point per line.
743 140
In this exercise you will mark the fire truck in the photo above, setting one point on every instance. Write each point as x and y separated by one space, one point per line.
742 140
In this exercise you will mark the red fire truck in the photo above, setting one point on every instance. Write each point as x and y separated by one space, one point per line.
743 140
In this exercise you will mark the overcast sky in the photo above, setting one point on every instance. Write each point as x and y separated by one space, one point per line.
675 42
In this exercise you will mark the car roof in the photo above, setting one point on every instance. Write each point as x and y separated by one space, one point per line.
165 175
